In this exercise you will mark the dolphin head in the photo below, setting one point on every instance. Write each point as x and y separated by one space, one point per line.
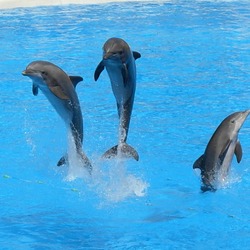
50 78
236 120
46 75
39 71
116 49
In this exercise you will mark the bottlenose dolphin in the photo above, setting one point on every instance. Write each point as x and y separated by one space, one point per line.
217 158
119 61
59 88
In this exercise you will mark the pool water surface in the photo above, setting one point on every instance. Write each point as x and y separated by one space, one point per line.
194 71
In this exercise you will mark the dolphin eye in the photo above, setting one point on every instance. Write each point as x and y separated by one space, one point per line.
44 73
233 121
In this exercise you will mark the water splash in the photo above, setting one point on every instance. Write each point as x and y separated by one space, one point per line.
113 182
109 179
28 130
76 165
225 182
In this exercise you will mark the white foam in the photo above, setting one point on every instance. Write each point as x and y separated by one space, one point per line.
109 179
76 166
113 182
229 180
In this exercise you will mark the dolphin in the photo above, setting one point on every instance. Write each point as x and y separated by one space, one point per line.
119 62
59 88
218 155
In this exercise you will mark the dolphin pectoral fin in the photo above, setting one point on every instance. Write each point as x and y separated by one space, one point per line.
125 150
98 70
224 152
34 89
199 162
57 91
125 74
75 79
238 151
136 55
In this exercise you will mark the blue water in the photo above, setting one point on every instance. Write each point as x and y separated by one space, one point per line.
194 71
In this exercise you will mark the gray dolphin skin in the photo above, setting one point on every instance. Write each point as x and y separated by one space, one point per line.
119 62
59 88
224 143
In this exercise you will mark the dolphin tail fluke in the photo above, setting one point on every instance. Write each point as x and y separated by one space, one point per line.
124 149
86 162
206 188
64 160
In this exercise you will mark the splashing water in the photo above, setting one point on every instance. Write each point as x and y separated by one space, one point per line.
228 180
223 180
114 183
109 178
76 168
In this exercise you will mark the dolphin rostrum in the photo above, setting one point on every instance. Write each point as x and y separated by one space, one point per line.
59 88
217 158
119 61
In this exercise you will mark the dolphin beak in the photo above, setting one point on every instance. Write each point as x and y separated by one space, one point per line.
247 112
107 55
29 72
244 115
24 73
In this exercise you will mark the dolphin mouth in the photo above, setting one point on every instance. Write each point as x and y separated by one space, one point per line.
247 112
112 59
107 56
110 56
27 72
242 118
24 73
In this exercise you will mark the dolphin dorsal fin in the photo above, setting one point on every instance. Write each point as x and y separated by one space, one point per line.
75 79
98 70
34 89
199 162
238 151
136 55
